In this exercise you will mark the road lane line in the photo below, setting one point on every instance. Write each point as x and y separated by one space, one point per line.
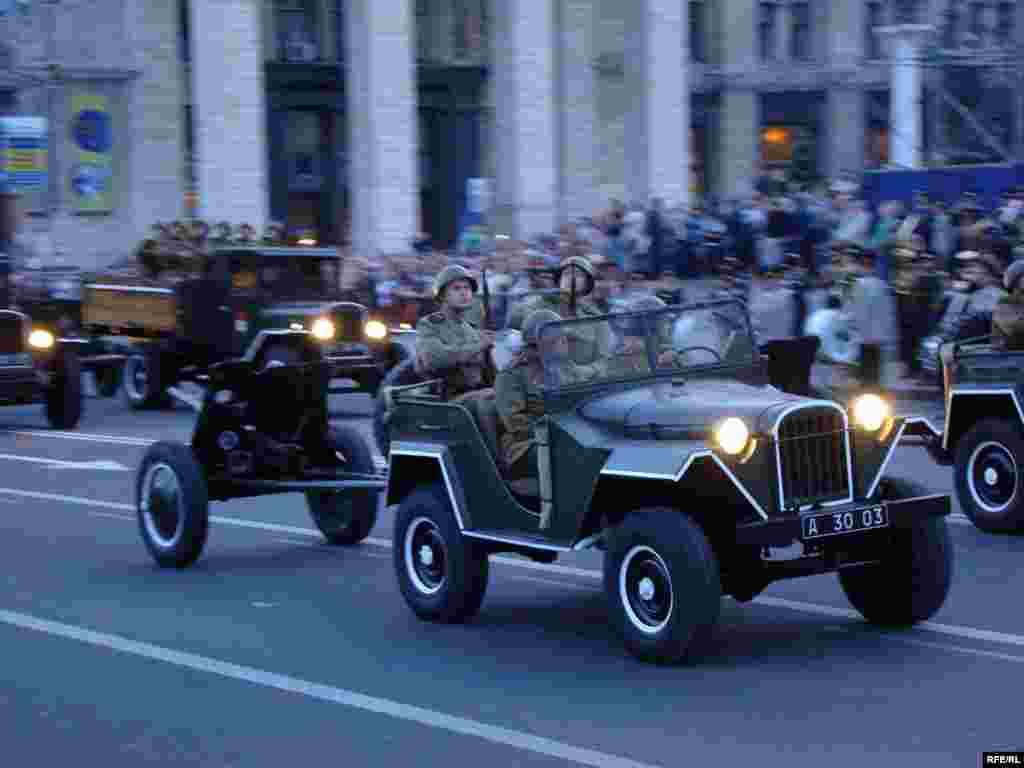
431 718
961 649
819 609
88 437
102 465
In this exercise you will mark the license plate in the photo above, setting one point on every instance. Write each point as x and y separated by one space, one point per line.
840 523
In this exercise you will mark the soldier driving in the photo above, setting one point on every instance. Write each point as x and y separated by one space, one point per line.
447 345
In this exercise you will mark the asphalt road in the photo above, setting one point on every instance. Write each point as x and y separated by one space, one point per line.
276 649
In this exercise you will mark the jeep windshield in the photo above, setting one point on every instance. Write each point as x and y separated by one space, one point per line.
643 344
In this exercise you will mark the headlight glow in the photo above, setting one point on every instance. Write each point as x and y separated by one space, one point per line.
870 412
732 436
40 339
323 329
375 329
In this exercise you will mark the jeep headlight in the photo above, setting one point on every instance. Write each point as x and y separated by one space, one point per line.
870 412
732 436
40 339
375 329
323 329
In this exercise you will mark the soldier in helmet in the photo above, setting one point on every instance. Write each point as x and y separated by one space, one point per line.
576 269
1008 314
519 390
447 345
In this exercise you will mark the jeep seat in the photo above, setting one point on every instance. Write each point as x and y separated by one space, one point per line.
485 413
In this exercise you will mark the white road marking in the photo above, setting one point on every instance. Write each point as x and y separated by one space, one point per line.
522 740
86 437
103 465
971 633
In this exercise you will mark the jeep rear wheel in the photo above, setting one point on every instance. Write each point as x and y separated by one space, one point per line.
911 581
988 466
662 580
442 574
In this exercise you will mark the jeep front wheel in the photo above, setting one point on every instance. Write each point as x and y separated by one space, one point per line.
663 584
911 581
442 575
987 471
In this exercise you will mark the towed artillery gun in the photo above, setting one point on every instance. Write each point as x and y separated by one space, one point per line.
694 476
211 307
262 429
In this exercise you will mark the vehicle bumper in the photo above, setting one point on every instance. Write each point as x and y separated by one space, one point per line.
901 513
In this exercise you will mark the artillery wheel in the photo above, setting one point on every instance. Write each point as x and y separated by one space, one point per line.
662 580
64 397
988 465
442 574
141 380
912 580
346 517
172 503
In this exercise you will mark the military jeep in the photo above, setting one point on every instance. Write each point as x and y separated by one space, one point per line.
669 450
221 306
983 437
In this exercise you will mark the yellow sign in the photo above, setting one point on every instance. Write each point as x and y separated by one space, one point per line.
92 143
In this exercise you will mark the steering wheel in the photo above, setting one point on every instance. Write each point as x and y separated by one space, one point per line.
684 350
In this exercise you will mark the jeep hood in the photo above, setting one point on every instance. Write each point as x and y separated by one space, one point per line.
689 407
290 309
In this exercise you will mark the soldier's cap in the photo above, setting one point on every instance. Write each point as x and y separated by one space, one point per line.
450 274
1013 274
581 262
533 322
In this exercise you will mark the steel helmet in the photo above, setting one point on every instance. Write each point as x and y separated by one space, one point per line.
450 274
533 322
583 263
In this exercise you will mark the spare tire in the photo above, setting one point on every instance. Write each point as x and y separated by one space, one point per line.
402 374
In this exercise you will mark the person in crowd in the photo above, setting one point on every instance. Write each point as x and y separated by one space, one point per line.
873 314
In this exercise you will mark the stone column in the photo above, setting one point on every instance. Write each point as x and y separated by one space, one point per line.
526 129
229 102
904 47
737 144
578 126
155 112
846 126
658 124
383 126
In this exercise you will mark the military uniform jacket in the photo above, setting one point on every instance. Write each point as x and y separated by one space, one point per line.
1008 323
446 342
519 398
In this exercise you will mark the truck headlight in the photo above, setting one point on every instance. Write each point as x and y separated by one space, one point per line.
870 412
732 436
323 329
40 339
375 329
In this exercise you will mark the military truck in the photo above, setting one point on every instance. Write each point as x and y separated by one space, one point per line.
220 305
670 451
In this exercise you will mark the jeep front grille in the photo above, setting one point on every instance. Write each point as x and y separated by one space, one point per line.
813 455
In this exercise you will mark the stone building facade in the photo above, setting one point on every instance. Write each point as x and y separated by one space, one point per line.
361 120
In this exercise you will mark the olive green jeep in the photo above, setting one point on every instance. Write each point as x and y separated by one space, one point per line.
669 450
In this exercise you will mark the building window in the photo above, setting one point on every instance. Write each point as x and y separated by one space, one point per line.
777 145
872 41
800 40
468 29
295 21
697 48
1005 23
767 31
184 31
